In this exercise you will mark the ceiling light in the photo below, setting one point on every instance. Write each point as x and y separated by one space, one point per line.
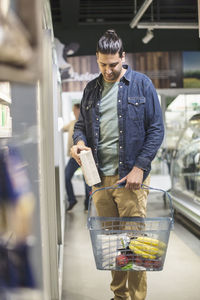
140 13
149 35
70 49
167 25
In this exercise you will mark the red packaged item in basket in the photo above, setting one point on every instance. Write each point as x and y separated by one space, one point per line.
121 260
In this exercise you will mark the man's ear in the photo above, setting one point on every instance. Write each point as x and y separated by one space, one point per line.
123 56
97 55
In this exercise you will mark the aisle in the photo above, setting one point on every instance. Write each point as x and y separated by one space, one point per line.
81 281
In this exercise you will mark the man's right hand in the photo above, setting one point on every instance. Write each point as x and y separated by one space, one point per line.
76 149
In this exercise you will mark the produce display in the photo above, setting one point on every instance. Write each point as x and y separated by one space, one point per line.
142 251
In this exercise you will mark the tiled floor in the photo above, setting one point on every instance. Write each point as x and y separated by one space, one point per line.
179 280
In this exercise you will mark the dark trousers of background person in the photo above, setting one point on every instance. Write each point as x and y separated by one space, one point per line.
70 169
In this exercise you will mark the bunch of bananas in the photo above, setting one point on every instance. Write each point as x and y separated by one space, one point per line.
147 247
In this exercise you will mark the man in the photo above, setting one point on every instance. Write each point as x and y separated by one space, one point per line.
72 165
121 121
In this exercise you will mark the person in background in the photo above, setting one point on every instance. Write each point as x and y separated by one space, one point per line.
72 165
121 121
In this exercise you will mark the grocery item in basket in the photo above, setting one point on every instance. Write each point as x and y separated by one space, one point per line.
129 266
146 248
89 168
142 253
109 245
115 241
151 241
122 260
125 240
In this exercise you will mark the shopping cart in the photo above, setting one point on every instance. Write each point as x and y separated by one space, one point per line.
129 243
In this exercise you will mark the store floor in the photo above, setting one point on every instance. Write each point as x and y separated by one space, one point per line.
179 280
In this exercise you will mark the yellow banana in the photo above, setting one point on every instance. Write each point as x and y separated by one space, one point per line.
152 242
141 253
147 248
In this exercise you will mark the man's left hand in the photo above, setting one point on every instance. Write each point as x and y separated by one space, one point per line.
133 179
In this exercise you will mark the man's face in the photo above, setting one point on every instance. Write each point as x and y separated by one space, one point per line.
110 66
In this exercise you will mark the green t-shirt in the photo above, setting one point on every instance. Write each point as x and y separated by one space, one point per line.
109 132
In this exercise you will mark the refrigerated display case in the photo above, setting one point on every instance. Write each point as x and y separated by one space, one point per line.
185 172
177 115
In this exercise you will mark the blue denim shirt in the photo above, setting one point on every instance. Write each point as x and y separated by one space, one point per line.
141 128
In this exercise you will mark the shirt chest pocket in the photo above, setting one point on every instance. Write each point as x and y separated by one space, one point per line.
88 111
136 108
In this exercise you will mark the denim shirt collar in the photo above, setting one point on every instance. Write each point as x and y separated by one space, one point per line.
127 76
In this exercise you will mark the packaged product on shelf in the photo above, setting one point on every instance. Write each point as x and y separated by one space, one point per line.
16 211
14 42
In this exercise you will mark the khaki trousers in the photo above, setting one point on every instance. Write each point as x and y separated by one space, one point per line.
123 203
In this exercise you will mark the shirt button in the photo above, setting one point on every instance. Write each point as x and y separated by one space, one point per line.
120 147
120 131
120 86
119 100
120 162
136 103
97 119
120 116
96 133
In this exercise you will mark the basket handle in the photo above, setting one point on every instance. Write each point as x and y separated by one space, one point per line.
143 186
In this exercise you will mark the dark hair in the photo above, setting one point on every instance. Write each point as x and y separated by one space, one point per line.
77 105
110 43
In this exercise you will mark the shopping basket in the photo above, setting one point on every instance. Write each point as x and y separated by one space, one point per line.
129 243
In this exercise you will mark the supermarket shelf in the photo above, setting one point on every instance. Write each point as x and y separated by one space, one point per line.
21 294
4 99
5 133
188 207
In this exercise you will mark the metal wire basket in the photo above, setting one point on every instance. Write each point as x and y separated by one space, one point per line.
129 243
